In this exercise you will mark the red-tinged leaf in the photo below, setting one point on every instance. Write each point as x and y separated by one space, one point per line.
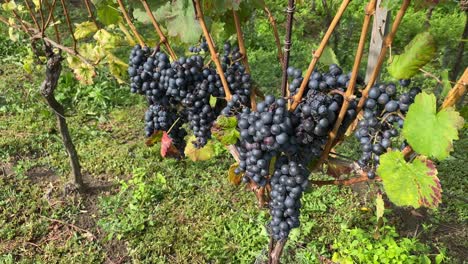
154 138
410 183
167 148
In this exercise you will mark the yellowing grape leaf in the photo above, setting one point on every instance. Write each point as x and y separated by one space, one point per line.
232 176
410 184
417 53
10 6
224 129
205 153
428 132
84 73
106 39
84 29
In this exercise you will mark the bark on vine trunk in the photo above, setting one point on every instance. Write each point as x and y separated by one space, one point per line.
48 86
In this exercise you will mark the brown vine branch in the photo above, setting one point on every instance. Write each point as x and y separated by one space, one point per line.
370 10
51 13
272 21
42 18
70 27
52 16
318 53
387 44
36 35
130 24
362 178
31 13
287 46
243 51
90 13
23 26
163 38
211 46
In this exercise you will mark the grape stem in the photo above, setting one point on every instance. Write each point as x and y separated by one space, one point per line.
163 38
70 27
130 24
36 35
277 250
272 21
212 48
90 13
31 13
370 10
52 17
318 53
287 46
51 13
243 51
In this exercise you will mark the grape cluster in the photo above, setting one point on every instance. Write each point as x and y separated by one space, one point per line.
138 57
316 114
287 185
384 113
197 49
238 79
158 117
264 134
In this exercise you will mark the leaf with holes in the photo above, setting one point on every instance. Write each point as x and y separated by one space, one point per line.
428 132
232 176
410 184
417 53
225 130
167 148
84 29
205 153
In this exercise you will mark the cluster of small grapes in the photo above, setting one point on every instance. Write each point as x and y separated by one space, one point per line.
238 79
158 117
287 185
333 79
138 57
317 113
264 134
384 112
197 49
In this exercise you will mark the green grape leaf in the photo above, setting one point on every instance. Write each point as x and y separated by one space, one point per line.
447 86
12 34
183 18
205 153
329 57
428 132
416 54
140 15
117 69
225 130
232 176
107 12
410 184
84 29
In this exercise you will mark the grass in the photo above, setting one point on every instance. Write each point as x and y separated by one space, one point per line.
145 209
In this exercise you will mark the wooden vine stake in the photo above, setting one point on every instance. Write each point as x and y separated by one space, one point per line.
457 92
387 43
163 38
318 53
370 9
211 46
130 24
287 46
243 51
